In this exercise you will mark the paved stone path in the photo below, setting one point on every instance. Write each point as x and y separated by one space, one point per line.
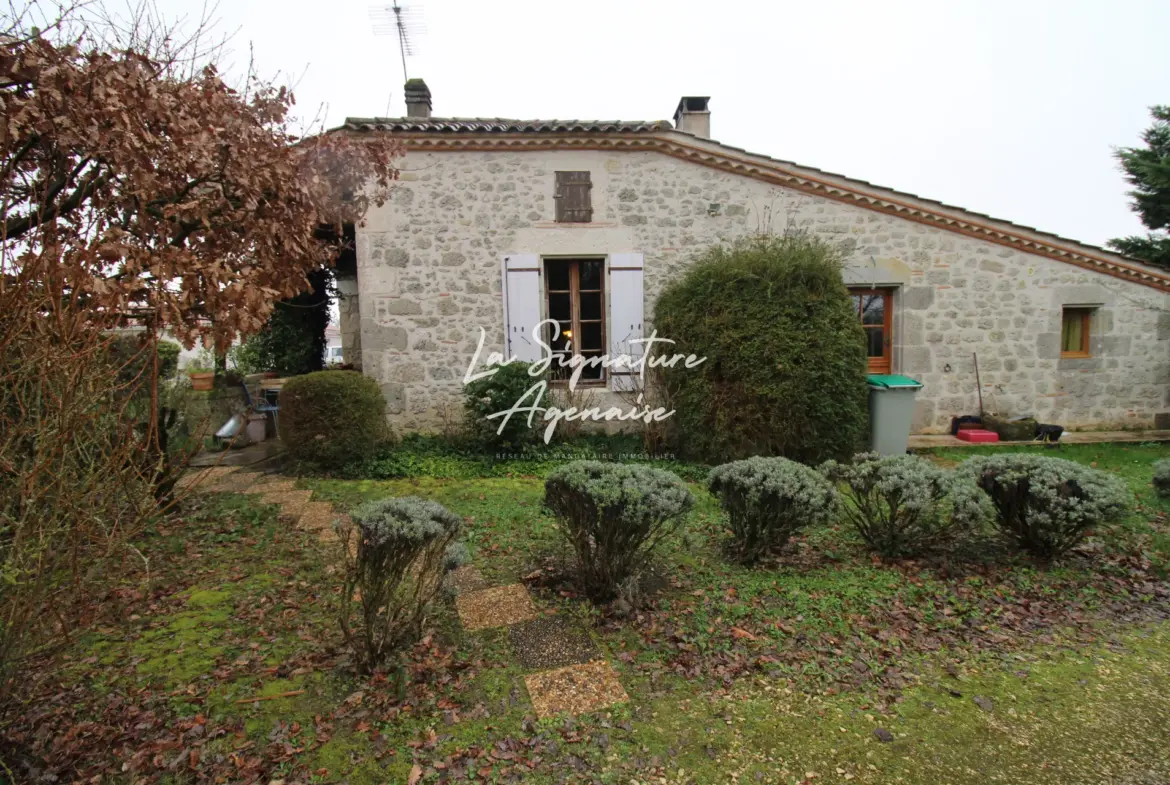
569 673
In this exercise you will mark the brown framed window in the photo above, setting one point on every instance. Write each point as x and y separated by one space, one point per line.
576 299
573 197
875 309
1074 332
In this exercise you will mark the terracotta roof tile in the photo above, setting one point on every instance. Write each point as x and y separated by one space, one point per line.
478 125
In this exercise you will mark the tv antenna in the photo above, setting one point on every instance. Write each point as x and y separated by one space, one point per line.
401 21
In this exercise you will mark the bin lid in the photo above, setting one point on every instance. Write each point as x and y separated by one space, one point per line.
891 380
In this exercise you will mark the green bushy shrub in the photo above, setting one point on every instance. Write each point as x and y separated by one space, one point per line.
168 358
1046 505
129 352
404 549
768 500
330 418
497 393
903 505
614 516
1161 477
785 368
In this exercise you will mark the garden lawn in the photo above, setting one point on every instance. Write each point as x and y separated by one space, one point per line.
822 666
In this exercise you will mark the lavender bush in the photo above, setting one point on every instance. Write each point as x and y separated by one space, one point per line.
768 500
903 505
1046 505
1161 477
404 549
614 516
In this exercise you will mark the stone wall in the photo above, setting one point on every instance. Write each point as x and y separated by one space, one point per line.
429 269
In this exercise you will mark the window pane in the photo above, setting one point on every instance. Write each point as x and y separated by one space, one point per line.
856 303
873 309
590 337
591 274
560 308
559 372
591 305
559 342
1072 332
591 372
558 275
875 342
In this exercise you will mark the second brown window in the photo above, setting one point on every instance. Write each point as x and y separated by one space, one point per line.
576 299
875 309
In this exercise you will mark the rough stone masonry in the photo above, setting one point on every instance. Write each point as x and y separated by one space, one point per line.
429 275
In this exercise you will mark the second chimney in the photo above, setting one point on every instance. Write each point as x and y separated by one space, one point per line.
693 116
418 98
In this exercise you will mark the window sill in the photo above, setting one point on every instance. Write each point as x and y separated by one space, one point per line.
573 225
1075 356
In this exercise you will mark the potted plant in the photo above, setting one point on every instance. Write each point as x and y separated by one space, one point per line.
201 370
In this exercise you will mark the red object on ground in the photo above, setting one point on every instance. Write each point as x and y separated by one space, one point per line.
977 435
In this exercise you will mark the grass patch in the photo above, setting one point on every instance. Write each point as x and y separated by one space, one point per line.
771 674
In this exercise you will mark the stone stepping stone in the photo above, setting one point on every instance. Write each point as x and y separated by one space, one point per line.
551 642
292 503
236 482
195 479
574 689
320 516
465 579
495 607
272 485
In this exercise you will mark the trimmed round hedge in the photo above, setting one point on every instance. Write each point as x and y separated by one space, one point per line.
786 366
614 516
1161 477
330 418
768 500
1047 505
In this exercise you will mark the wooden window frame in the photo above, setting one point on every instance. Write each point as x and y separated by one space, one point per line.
885 363
575 291
1086 316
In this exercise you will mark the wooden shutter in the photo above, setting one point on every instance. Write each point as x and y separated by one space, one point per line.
573 197
625 298
521 306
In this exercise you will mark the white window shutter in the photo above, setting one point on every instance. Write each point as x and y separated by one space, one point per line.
521 306
625 316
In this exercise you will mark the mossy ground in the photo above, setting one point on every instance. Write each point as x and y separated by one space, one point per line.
1070 663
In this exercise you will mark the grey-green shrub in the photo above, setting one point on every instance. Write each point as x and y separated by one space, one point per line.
1046 505
1161 477
903 505
768 500
404 549
614 516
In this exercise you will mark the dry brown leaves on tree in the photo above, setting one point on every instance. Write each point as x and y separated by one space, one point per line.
167 194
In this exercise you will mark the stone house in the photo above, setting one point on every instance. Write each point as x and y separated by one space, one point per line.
499 224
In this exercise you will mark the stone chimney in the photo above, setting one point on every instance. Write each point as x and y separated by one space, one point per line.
693 116
418 98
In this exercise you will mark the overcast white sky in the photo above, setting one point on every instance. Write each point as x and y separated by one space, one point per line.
1006 108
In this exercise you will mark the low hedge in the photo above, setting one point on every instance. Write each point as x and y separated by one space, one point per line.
329 419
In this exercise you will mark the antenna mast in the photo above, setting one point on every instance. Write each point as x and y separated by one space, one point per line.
401 21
